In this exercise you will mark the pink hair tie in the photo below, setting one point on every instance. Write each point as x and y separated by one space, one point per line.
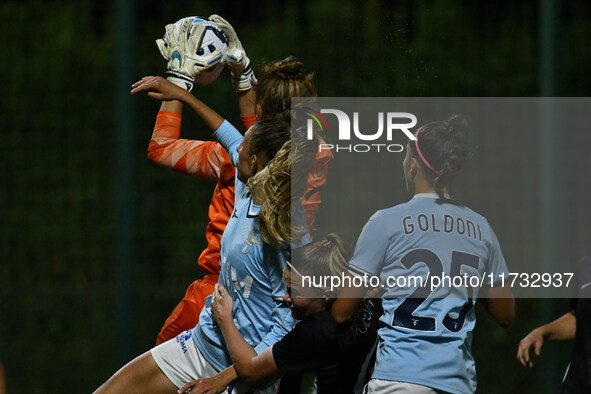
326 243
421 155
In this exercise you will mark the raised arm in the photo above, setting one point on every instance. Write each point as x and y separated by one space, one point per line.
242 73
205 159
183 65
252 368
246 104
243 77
161 89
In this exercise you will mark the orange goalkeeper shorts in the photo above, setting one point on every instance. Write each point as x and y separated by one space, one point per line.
186 314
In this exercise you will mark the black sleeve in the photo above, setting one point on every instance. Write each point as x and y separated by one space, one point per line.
582 281
303 349
573 305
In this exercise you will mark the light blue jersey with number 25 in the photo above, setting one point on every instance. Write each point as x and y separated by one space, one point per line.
426 332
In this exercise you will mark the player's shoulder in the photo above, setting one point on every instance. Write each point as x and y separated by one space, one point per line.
399 210
470 215
381 221
322 325
317 331
469 212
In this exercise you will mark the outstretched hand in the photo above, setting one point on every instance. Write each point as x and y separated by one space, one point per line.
221 304
159 88
534 339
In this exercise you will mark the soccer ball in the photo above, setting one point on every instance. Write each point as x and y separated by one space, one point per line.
213 39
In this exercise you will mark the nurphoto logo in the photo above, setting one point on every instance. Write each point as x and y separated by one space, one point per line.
394 122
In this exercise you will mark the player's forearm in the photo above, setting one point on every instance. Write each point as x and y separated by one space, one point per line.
211 118
227 376
503 310
201 158
240 351
167 130
500 304
246 102
172 106
213 384
562 329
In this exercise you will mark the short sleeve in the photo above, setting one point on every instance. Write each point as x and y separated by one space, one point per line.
573 305
370 251
229 138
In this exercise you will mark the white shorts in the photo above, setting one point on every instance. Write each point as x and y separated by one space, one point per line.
182 362
378 386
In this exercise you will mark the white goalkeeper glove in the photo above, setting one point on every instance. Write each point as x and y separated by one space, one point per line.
243 76
172 36
179 48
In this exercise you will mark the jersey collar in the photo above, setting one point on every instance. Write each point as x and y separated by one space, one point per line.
430 195
253 210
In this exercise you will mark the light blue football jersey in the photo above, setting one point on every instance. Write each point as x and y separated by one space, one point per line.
426 332
252 273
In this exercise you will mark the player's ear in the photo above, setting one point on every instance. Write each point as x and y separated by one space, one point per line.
254 164
414 166
258 111
257 163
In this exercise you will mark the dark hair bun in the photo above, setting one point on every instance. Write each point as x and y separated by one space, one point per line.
458 150
457 125
279 82
289 68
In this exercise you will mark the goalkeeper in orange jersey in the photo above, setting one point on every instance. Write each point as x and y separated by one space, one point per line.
267 98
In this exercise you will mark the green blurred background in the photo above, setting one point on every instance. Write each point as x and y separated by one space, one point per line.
98 244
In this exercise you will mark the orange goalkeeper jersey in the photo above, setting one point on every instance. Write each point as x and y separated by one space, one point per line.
207 159
210 160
